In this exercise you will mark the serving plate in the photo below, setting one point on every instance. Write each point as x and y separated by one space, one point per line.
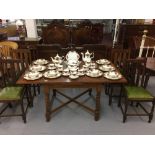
91 74
40 62
116 77
28 77
106 68
103 62
47 75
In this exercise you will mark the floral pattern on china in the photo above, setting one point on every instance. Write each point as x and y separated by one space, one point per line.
72 57
57 59
87 56
32 75
40 62
52 74
106 68
94 73
37 68
103 62
112 75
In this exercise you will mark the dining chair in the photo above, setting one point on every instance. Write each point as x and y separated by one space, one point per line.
26 56
118 58
135 91
6 47
11 44
10 92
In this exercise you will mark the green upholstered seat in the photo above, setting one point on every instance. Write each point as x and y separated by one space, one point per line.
134 92
11 93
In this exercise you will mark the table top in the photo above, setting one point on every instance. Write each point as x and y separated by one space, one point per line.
66 81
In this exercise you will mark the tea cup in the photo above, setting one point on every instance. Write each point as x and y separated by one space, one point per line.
33 74
113 74
94 72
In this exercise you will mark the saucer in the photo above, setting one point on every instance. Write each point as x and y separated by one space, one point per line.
37 68
106 68
51 67
47 75
103 62
66 74
40 62
90 74
28 77
81 74
108 76
74 76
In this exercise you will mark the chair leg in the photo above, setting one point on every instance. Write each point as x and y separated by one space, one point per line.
137 104
151 113
90 92
10 105
125 110
131 104
120 97
54 92
29 96
107 89
23 113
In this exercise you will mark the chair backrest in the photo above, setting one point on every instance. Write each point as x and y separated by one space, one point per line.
135 72
5 51
6 47
119 56
22 54
11 44
147 46
11 69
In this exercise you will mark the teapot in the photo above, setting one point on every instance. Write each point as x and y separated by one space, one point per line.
57 59
87 56
72 56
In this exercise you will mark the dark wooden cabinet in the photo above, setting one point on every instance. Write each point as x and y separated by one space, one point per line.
25 43
83 33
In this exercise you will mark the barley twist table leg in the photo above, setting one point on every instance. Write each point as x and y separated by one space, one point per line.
97 109
47 102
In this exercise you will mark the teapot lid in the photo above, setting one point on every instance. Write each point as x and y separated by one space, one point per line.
57 57
87 53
